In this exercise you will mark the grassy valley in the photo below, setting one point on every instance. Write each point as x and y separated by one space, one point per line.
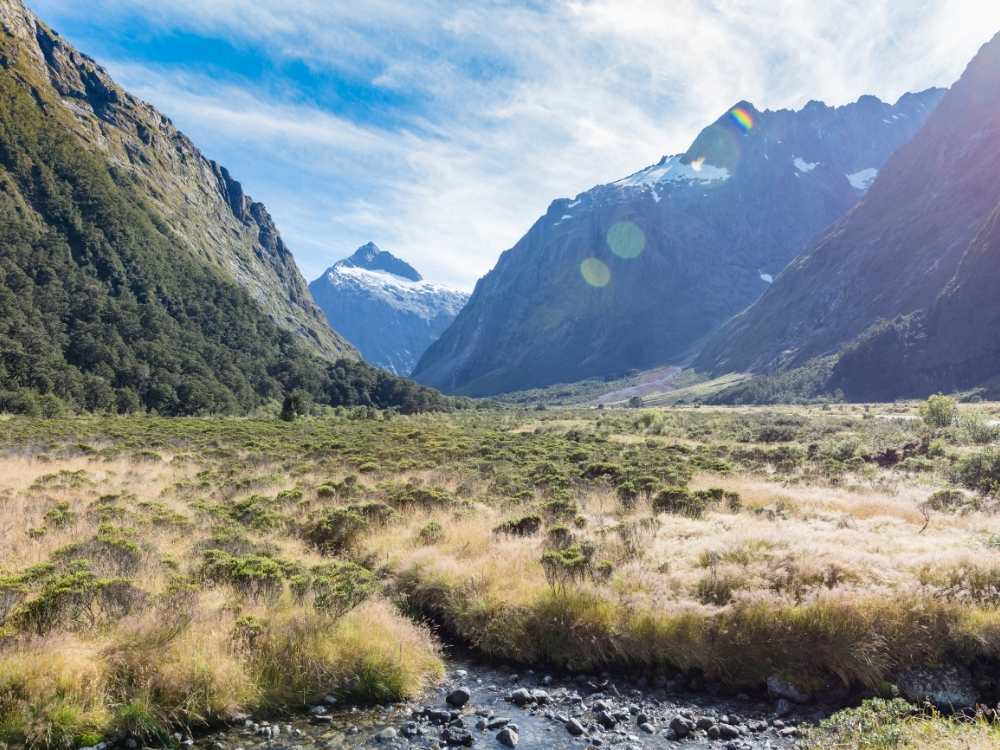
177 572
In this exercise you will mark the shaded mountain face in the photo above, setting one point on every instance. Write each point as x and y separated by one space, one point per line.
205 209
638 272
892 256
385 308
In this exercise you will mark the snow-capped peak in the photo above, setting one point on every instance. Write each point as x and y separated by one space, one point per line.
673 169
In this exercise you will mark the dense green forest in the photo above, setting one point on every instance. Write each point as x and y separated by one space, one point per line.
100 309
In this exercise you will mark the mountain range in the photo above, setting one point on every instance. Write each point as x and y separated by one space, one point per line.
384 307
639 272
898 294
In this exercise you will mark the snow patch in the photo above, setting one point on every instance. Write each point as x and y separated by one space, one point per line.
672 169
426 299
804 166
863 180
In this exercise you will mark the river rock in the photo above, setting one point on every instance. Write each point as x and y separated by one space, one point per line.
458 697
386 735
728 731
520 697
780 688
540 697
681 727
574 727
508 737
948 687
455 737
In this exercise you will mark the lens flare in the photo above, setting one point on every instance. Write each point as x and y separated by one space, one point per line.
743 118
626 240
595 272
697 164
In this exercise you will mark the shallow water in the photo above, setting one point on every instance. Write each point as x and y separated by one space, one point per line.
537 726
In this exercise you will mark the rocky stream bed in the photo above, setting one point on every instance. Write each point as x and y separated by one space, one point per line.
496 707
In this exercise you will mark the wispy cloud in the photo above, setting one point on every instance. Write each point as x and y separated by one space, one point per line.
507 106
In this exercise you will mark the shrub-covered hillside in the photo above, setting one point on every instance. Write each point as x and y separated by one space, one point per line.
101 309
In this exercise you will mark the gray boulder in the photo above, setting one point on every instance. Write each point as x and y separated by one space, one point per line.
948 687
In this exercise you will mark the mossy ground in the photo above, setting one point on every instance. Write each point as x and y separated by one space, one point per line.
157 572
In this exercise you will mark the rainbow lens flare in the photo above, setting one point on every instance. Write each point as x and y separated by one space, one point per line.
743 118
626 240
595 272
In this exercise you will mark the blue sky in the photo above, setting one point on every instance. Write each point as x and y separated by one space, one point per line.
442 130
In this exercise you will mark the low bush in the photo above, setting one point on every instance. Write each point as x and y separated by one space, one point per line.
254 576
679 501
335 530
523 526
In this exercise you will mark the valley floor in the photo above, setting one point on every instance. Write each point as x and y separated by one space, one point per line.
163 573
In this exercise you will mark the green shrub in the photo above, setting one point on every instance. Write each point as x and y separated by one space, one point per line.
341 586
679 501
976 428
60 516
939 411
335 530
568 565
76 599
431 533
523 526
980 472
113 549
716 589
255 576
877 723
948 501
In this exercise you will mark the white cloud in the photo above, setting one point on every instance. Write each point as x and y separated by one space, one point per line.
515 105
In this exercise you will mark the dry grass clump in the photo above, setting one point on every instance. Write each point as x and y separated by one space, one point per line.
159 671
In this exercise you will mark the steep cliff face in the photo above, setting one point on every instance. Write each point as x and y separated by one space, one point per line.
205 209
891 256
638 272
385 308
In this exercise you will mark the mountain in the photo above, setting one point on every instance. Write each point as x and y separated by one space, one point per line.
134 273
638 272
384 307
903 280
205 209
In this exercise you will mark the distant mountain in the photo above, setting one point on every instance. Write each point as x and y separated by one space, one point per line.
638 272
384 307
906 281
134 273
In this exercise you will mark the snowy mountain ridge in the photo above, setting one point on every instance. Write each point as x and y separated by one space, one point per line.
385 307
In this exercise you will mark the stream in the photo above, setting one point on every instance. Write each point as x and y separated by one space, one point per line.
529 709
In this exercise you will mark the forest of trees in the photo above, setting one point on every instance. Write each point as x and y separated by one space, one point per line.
102 310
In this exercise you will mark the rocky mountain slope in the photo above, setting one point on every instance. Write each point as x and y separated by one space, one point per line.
110 299
898 256
384 307
204 208
638 272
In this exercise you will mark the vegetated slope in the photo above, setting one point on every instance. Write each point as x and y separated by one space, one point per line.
636 273
206 210
953 345
104 307
384 307
891 256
